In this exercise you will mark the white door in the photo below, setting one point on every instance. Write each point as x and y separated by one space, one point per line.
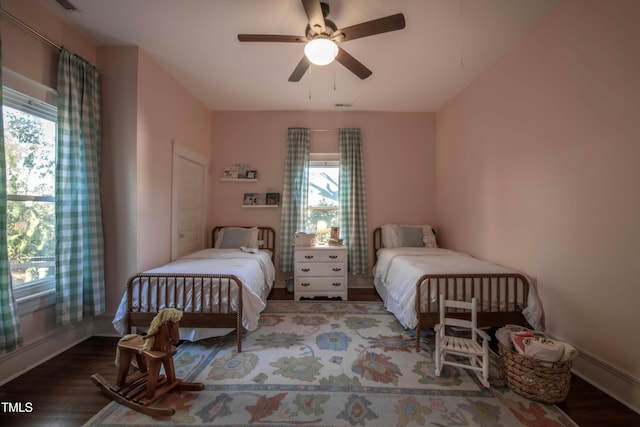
188 202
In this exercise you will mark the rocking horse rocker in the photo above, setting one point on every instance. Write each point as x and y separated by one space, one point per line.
140 390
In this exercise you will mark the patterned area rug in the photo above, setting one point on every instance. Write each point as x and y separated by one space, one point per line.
332 364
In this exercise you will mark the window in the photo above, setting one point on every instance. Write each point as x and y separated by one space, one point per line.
30 151
323 201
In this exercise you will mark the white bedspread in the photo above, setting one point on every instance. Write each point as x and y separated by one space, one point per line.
398 270
255 271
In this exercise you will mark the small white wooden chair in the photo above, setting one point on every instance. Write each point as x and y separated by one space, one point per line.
475 348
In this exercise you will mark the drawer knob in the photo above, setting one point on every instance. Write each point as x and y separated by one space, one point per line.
306 269
308 256
305 284
333 256
336 283
337 269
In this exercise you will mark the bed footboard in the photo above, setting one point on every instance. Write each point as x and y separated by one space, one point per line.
206 300
501 298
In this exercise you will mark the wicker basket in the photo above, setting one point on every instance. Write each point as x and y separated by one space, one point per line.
541 381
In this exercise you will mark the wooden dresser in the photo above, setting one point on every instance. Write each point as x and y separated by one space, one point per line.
320 272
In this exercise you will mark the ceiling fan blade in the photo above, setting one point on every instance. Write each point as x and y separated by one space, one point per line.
314 13
352 64
271 38
301 68
370 28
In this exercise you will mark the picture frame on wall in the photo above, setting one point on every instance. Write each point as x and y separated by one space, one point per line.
273 199
242 170
254 199
230 172
335 233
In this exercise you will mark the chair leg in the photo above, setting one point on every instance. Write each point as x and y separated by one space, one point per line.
485 364
438 359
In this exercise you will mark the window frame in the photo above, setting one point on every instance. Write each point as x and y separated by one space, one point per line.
32 98
319 160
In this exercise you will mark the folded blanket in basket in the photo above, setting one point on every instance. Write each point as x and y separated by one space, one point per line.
541 348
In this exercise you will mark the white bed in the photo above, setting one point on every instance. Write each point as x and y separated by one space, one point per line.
504 295
206 286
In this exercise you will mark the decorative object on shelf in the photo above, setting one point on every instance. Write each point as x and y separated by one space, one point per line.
273 198
253 199
230 172
321 229
242 170
238 171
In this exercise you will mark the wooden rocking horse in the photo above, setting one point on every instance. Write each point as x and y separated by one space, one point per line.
140 390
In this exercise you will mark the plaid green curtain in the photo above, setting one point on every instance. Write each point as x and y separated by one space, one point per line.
353 202
9 321
79 238
294 193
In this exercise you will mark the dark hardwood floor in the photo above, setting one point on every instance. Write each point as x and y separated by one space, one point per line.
60 392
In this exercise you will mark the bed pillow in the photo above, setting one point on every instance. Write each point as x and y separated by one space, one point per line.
237 237
429 237
390 238
410 237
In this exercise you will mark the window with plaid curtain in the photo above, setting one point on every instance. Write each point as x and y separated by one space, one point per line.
9 321
79 238
353 202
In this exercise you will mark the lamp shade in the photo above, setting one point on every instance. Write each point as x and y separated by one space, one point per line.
321 51
321 228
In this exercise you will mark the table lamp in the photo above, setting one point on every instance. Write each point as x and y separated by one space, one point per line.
321 230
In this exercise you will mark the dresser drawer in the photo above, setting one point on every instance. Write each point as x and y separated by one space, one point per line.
325 255
320 269
320 284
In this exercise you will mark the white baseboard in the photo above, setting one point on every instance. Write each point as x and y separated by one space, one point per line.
32 354
616 383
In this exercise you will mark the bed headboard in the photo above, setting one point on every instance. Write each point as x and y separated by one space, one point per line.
266 237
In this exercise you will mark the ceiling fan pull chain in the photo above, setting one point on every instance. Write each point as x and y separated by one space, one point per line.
334 79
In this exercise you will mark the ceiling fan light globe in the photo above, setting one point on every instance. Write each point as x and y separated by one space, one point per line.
321 51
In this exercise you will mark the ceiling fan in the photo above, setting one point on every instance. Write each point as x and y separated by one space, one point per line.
322 37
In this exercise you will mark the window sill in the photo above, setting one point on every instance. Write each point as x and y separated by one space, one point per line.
35 297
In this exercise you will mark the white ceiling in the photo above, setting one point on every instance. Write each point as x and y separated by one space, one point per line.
445 45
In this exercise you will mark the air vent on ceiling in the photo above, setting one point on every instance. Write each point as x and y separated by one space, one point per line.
66 4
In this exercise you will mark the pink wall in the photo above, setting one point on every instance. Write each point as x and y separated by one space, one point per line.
31 56
399 156
166 113
144 110
537 169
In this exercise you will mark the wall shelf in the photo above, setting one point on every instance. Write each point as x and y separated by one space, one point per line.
239 179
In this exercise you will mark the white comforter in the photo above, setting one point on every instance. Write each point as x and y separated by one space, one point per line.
398 270
255 270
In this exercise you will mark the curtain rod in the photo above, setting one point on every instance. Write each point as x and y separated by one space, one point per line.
31 29
323 130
